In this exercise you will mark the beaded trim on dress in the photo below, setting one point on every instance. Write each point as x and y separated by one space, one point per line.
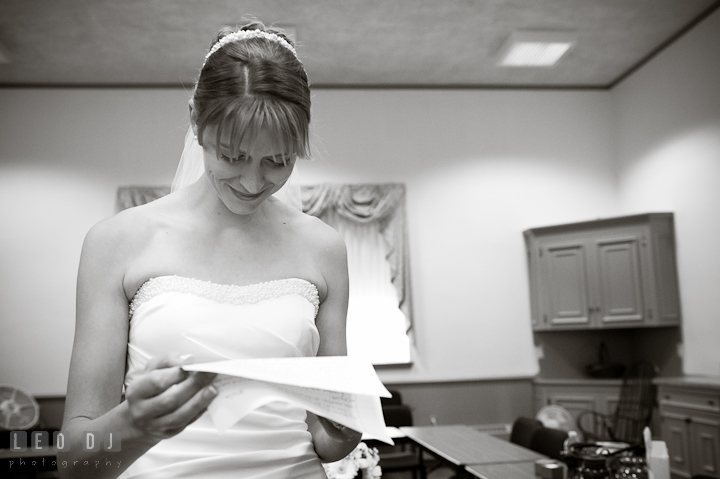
225 293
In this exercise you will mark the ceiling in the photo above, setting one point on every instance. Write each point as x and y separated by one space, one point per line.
343 43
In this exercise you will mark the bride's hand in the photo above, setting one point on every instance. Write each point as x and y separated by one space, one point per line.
338 432
163 400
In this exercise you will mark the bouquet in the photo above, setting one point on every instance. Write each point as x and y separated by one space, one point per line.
362 459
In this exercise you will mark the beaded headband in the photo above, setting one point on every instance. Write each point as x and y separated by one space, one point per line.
245 34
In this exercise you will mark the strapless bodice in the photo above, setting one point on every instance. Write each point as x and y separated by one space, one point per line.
212 322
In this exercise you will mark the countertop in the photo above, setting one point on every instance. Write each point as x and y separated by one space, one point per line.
697 382
577 382
689 381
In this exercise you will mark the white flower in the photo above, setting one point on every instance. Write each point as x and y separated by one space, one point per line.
375 474
342 469
361 458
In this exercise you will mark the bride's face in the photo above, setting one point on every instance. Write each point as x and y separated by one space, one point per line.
245 177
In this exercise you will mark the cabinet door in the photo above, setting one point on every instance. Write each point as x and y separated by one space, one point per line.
705 443
564 270
675 434
619 291
614 273
667 295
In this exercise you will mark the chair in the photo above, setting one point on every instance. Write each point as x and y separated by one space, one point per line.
403 456
394 400
633 411
548 441
397 415
523 429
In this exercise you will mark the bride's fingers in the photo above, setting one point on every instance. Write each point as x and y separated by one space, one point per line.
177 395
155 382
197 416
161 372
189 411
178 430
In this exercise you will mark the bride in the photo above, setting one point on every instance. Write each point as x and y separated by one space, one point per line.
218 269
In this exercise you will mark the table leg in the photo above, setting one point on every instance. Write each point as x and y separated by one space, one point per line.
421 461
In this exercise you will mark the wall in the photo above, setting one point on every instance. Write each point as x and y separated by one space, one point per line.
567 353
477 402
480 167
62 155
668 145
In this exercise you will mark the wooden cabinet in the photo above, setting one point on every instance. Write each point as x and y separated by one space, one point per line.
578 395
690 424
610 273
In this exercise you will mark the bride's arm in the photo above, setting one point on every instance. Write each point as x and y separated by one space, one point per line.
97 370
332 441
98 361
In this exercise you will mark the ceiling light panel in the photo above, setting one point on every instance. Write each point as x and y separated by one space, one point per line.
536 48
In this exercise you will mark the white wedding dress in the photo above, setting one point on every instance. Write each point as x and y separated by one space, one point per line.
213 322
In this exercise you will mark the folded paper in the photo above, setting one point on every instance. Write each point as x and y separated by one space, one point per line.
339 388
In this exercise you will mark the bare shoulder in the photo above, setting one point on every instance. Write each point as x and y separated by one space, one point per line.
113 243
119 232
329 255
320 238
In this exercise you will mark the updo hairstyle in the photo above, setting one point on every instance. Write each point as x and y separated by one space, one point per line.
250 84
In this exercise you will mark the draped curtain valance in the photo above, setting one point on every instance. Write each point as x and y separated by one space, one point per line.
364 203
129 196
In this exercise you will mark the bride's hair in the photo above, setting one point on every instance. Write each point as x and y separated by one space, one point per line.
251 80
